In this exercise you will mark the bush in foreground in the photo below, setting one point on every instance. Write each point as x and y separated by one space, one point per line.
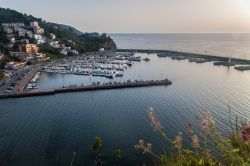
233 150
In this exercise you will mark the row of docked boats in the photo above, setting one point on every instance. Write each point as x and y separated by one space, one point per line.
100 73
109 67
33 82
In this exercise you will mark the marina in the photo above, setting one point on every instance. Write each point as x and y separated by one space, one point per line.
125 83
110 66
74 119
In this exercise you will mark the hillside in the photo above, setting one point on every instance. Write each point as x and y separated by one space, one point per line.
76 31
71 37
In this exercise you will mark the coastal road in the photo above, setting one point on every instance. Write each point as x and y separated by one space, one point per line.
16 77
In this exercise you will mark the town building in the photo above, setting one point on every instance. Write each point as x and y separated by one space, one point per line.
55 44
34 24
74 51
38 31
18 24
1 55
38 37
52 36
40 41
14 65
64 51
8 30
101 49
25 41
29 34
29 48
12 40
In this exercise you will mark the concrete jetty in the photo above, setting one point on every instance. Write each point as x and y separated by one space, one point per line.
20 87
186 55
88 88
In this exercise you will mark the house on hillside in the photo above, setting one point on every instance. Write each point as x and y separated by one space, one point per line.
8 30
18 24
25 41
14 65
34 24
28 48
55 44
22 32
29 34
52 36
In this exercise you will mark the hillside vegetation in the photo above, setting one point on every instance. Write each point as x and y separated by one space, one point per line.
71 37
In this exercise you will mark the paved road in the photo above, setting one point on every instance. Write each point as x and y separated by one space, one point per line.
15 78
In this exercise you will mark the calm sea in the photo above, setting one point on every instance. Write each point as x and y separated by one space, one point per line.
47 130
229 45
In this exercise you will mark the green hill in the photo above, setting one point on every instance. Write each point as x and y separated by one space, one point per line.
82 42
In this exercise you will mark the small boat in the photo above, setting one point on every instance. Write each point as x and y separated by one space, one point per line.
119 75
111 76
146 59
129 64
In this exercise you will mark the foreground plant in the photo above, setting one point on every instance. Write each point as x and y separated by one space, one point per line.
233 150
97 149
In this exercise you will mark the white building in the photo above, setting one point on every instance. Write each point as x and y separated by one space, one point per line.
55 44
38 37
38 31
40 41
18 24
12 40
101 49
52 36
34 24
74 52
29 34
14 65
1 56
64 51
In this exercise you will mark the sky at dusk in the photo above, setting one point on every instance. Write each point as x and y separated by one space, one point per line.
143 16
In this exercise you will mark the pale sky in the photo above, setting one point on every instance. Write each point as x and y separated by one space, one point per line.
141 16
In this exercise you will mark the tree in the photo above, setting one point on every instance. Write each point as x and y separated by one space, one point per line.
1 74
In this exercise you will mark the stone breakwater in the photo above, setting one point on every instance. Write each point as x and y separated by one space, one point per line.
208 58
89 88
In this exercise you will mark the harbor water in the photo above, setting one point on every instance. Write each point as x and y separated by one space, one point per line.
47 130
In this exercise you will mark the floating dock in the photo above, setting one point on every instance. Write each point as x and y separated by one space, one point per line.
89 88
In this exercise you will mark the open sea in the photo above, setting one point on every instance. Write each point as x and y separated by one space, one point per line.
47 130
228 45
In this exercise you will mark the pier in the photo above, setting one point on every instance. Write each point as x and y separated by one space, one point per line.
89 88
20 87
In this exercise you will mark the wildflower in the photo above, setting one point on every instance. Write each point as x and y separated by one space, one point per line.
245 133
147 148
190 128
208 124
206 154
197 117
195 142
153 120
178 141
